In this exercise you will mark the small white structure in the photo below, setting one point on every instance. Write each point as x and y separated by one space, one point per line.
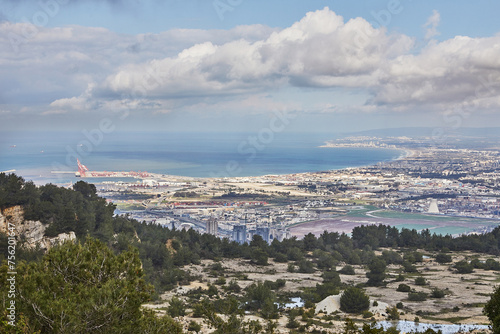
331 304
433 207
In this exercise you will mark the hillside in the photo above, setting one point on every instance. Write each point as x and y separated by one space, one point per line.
246 284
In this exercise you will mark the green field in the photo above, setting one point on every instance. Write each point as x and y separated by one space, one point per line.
418 221
419 216
361 212
415 216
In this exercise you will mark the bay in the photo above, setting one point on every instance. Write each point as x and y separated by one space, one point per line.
35 154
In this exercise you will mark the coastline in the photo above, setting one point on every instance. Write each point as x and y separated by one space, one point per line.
43 174
407 151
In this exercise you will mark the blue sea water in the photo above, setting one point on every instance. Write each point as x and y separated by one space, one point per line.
34 155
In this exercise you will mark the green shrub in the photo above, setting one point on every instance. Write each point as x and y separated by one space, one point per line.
354 300
463 267
220 281
281 258
403 288
417 296
233 286
437 293
347 270
367 314
409 268
176 308
492 265
420 281
194 326
392 313
306 267
443 258
400 278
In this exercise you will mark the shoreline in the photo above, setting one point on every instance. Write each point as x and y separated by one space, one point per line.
38 178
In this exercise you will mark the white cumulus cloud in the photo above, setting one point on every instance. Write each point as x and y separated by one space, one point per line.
432 24
77 68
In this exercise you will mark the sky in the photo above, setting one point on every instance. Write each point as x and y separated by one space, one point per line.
239 65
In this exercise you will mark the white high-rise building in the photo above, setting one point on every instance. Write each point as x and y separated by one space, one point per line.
212 226
433 207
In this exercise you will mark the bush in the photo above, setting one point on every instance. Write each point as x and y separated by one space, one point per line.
212 291
400 278
443 258
326 289
257 295
392 313
278 284
217 267
220 281
492 265
477 264
420 281
281 258
463 267
354 300
437 293
194 326
347 270
292 322
233 286
176 308
259 257
269 310
417 296
409 268
198 310
331 277
294 254
399 305
403 288
306 267
367 314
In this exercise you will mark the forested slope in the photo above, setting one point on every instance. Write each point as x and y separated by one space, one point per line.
162 253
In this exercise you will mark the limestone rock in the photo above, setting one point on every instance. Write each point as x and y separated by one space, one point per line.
32 231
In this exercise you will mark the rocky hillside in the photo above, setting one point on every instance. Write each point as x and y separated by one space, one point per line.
32 232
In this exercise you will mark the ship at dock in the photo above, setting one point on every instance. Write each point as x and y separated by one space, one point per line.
83 172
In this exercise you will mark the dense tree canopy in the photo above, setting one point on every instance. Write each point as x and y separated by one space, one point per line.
85 288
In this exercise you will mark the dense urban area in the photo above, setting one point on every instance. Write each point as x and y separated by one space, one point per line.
439 181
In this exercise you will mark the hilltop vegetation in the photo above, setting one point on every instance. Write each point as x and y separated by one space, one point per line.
155 258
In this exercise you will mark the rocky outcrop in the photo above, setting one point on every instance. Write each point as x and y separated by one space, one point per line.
31 231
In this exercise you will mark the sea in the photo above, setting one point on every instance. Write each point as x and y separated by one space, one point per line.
37 155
